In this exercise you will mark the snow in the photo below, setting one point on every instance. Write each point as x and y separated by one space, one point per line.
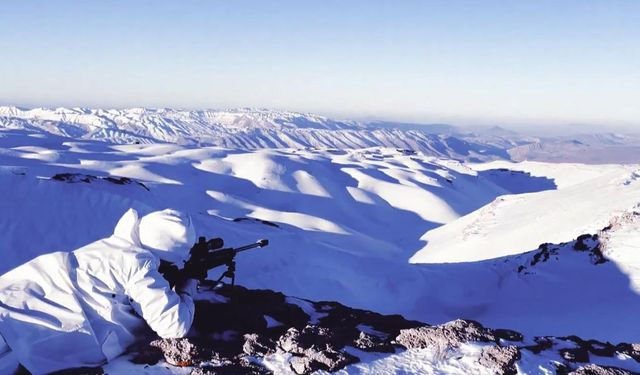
587 197
623 248
348 224
412 361
329 245
419 361
122 365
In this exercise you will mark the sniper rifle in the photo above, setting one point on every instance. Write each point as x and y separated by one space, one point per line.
206 255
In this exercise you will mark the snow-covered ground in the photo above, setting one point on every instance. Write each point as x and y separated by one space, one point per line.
375 228
347 221
587 197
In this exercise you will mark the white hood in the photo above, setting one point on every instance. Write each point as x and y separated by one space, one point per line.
168 233
127 227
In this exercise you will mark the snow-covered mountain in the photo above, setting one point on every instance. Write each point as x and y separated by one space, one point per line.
243 128
262 128
343 224
546 249
542 248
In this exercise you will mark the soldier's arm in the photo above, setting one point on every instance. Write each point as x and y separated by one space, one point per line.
167 312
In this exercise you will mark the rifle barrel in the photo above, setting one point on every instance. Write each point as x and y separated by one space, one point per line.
261 243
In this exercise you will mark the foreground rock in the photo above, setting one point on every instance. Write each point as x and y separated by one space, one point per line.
449 335
235 328
502 360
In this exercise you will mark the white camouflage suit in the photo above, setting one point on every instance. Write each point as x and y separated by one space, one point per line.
83 308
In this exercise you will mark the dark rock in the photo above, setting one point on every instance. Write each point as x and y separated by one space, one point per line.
562 368
345 318
542 255
593 369
215 317
312 336
542 343
508 335
258 303
448 335
178 352
251 219
290 342
406 151
124 181
313 350
389 324
146 354
371 343
599 348
597 257
230 330
502 360
118 180
575 354
235 325
341 321
602 349
328 360
632 350
580 244
575 339
73 177
86 178
258 345
339 316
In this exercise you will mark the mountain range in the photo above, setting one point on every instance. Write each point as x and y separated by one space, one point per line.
248 128
434 234
239 128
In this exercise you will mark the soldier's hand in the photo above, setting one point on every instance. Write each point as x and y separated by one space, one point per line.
195 270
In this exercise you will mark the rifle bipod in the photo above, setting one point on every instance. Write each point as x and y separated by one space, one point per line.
229 273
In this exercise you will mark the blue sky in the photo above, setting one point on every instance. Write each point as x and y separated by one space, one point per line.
465 62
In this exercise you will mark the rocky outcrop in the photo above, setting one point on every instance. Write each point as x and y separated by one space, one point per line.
502 360
448 335
235 327
74 178
591 244
246 324
616 223
372 343
600 370
178 352
594 245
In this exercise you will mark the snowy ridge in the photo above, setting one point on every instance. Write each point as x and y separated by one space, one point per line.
512 223
343 225
238 128
287 335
